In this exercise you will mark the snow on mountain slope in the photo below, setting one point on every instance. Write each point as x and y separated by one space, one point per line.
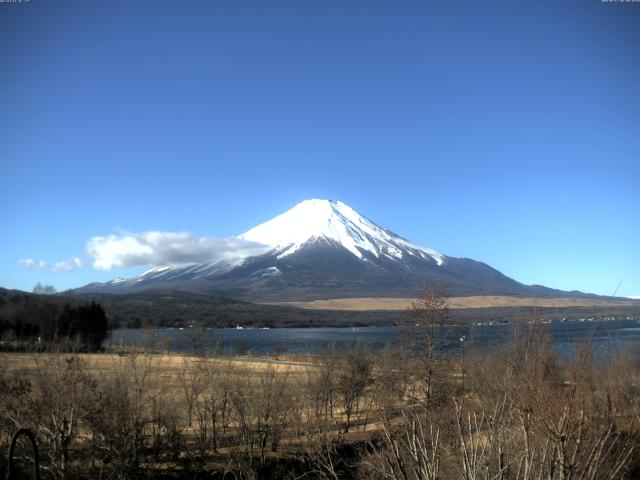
324 249
333 220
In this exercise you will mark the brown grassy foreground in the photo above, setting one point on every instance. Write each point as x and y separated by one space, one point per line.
412 413
379 303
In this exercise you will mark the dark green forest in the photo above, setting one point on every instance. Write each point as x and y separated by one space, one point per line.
37 321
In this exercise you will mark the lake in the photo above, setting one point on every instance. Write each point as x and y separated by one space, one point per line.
566 335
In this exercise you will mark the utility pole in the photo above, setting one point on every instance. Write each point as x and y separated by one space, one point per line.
616 290
462 339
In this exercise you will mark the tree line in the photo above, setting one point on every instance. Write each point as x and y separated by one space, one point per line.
38 321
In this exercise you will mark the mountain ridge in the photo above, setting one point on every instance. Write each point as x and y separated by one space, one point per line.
322 249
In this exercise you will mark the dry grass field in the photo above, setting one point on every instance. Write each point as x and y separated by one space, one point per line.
358 414
379 303
165 364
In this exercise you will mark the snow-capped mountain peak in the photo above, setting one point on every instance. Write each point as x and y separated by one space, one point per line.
324 249
334 221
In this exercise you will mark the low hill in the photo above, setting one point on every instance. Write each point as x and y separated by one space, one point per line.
158 308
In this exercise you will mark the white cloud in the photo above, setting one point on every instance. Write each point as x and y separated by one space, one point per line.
32 264
62 266
634 297
67 265
166 248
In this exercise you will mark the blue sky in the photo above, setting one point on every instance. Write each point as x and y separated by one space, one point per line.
506 132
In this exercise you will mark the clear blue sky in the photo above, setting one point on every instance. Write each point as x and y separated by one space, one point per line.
503 131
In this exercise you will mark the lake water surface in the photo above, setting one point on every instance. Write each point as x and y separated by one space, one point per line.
565 335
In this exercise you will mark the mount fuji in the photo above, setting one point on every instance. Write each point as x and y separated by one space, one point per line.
323 249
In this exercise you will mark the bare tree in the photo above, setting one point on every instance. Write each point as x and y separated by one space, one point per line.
426 315
63 391
44 289
320 444
272 408
353 377
321 385
191 386
122 412
409 448
196 335
212 410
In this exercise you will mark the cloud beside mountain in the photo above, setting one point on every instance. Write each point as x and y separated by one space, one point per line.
32 264
68 265
166 248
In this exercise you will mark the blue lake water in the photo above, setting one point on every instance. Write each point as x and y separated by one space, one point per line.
566 336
